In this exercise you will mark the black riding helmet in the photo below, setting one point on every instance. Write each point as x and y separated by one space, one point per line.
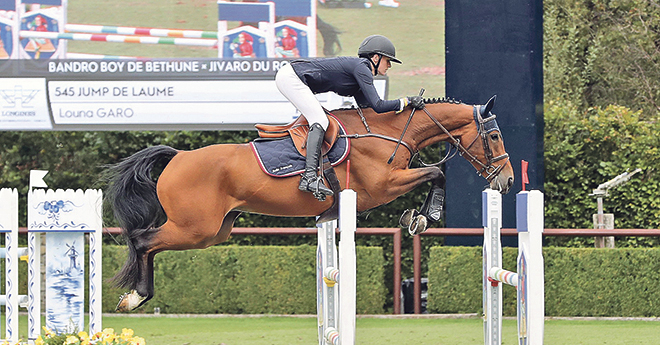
378 44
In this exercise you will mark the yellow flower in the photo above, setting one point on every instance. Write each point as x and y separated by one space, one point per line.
126 333
70 340
39 341
49 333
138 341
84 338
109 338
108 335
97 336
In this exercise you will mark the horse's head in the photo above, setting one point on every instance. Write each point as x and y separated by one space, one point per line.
483 147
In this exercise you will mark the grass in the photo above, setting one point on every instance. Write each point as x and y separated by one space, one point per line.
283 330
416 28
369 331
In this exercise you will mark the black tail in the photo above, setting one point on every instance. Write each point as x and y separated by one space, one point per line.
132 193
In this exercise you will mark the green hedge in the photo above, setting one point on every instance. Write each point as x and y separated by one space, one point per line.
245 280
578 281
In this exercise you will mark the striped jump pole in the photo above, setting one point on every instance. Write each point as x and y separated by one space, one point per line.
336 275
139 31
528 280
84 56
120 38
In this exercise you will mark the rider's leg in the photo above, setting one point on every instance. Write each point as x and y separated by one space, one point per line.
310 181
304 100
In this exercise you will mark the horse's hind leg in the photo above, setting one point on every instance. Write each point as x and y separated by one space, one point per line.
143 290
168 237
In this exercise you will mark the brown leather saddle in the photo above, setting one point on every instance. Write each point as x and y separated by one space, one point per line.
298 130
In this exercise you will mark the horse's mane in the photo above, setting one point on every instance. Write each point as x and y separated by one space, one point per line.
426 101
441 100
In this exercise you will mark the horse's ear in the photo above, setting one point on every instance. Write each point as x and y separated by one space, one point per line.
489 106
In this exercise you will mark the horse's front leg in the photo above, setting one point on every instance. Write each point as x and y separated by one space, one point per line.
405 180
432 209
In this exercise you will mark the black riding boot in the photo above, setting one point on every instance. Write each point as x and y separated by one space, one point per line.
434 204
310 180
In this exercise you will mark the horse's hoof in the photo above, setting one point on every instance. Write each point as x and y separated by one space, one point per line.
407 218
418 225
129 301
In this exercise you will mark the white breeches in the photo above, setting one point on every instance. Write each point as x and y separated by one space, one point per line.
300 96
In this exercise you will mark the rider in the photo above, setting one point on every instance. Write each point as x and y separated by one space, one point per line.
346 76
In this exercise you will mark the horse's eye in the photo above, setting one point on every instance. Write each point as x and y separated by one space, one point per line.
494 137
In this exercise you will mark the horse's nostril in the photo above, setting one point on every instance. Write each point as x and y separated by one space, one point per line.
510 182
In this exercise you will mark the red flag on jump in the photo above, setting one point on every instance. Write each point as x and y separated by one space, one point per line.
525 178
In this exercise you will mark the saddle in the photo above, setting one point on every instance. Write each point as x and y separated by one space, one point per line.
298 130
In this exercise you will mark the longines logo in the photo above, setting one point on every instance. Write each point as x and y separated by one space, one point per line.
23 104
17 98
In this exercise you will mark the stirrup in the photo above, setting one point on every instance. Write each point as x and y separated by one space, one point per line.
315 186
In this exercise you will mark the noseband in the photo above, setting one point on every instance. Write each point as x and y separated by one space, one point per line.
484 127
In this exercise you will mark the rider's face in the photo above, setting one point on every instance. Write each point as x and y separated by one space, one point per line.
384 65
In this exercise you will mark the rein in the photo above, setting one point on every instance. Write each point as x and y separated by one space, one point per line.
484 126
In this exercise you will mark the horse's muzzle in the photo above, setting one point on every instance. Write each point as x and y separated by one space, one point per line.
502 183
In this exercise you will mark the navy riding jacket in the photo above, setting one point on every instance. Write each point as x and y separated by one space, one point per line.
346 76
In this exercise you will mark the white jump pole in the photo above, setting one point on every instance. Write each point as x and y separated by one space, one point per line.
9 225
336 275
531 291
347 266
528 280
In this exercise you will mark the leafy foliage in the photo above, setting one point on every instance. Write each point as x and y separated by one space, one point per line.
587 148
601 52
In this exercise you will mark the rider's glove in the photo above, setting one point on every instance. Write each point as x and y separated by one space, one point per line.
416 102
403 103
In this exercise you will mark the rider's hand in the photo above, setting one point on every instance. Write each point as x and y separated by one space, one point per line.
416 102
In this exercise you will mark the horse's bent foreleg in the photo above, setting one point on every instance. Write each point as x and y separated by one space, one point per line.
432 209
433 206
403 181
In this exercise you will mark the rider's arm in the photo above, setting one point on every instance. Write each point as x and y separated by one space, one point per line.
369 96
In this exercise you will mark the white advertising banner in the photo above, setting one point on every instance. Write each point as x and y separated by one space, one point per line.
23 104
176 102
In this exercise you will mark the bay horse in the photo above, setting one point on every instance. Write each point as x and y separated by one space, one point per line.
200 193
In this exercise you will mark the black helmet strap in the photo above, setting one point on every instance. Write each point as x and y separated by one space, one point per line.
380 57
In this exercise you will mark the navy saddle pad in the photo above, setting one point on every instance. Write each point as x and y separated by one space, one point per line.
279 157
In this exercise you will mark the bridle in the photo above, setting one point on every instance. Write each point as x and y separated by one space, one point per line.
484 127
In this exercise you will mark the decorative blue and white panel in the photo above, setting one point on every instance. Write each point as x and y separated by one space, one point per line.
66 216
